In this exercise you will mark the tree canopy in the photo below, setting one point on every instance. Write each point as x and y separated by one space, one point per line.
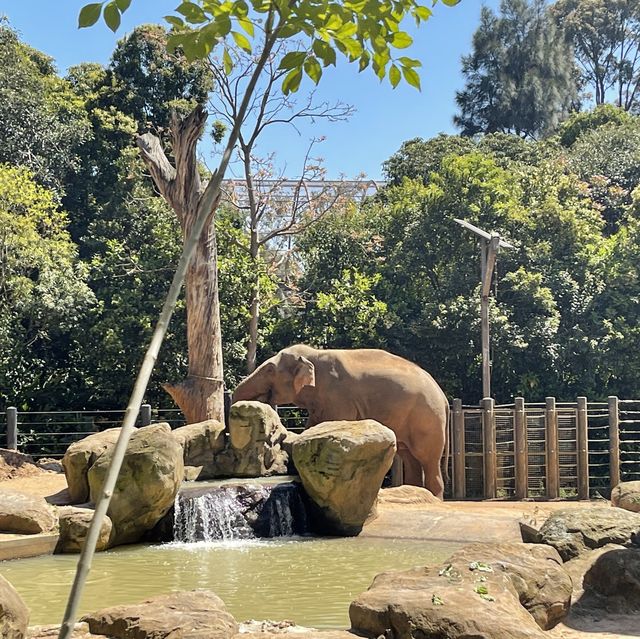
520 74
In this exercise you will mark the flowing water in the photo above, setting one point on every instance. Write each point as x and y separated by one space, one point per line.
309 581
240 511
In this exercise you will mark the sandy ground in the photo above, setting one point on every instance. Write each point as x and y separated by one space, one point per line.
424 519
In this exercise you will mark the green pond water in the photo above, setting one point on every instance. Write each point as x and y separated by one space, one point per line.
309 581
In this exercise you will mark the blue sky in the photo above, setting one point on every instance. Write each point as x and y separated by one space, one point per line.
384 117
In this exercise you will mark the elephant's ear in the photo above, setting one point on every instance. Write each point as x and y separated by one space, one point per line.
304 375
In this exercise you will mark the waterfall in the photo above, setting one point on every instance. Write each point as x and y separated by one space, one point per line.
244 511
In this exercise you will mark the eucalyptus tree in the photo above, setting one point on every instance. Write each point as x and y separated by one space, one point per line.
605 35
520 76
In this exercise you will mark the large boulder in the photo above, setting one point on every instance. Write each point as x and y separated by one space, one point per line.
74 526
608 577
627 495
200 443
197 614
151 474
577 530
444 603
535 570
14 614
484 591
342 465
255 442
80 456
25 514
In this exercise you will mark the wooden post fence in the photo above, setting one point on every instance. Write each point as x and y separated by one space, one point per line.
145 415
553 467
489 440
12 428
459 482
614 441
520 447
582 448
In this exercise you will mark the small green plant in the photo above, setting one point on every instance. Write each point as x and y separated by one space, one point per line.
482 567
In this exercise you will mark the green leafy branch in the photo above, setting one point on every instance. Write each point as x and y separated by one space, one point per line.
366 32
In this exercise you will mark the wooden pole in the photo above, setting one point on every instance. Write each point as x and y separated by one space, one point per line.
582 446
145 415
553 468
520 446
489 438
12 428
614 440
459 479
484 322
488 255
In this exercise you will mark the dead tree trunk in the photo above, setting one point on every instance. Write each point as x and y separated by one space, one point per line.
200 395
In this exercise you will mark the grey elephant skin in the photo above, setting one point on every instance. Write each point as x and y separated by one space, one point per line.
349 385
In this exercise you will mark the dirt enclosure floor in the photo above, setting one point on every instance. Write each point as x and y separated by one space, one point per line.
423 519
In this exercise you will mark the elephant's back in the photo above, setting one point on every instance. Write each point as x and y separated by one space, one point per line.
392 372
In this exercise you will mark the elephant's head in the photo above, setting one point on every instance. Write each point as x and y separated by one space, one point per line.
277 381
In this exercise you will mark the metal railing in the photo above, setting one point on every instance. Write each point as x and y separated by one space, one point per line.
49 433
520 450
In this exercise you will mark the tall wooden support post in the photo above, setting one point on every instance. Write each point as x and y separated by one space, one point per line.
520 446
145 415
12 428
490 244
614 440
488 253
459 479
553 466
582 446
489 440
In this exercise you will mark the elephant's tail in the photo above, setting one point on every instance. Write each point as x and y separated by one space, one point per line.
447 439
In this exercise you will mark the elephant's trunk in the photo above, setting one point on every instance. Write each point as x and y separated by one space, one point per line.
254 387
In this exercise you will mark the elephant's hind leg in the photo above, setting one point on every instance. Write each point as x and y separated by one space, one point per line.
428 452
412 469
433 480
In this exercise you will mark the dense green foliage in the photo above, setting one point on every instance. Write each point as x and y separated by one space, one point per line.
87 247
43 294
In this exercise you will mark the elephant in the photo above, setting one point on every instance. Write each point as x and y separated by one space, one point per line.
357 384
